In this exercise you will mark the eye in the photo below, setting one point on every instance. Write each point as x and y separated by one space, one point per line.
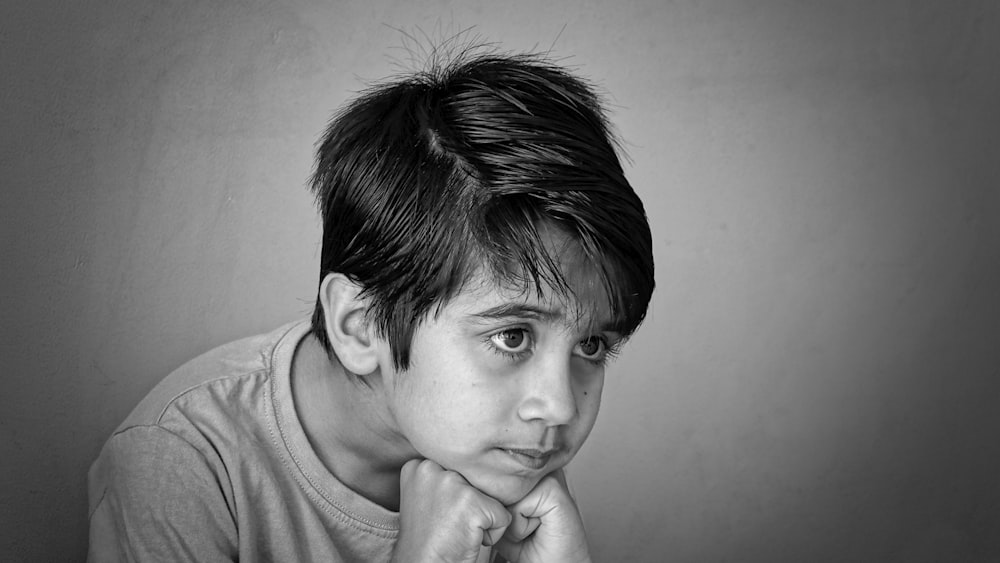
511 340
592 348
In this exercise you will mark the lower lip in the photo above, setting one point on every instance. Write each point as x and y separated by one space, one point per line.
529 461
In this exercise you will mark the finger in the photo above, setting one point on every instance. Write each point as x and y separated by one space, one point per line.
547 495
496 519
408 471
509 550
418 473
521 527
492 536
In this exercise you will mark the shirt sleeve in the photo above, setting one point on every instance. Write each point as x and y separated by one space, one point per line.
155 497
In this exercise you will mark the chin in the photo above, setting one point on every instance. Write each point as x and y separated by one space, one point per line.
507 489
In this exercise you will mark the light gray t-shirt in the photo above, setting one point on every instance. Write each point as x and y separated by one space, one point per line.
213 465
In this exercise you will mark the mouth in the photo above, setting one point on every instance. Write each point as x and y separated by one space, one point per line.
529 458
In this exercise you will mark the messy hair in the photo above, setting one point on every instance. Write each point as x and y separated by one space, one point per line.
427 179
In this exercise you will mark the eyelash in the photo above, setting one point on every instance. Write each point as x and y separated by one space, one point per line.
513 356
609 351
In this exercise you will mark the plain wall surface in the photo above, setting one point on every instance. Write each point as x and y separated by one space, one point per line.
817 379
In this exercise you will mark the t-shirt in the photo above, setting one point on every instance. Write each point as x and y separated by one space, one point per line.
213 465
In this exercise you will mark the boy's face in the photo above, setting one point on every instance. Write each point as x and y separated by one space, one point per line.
504 387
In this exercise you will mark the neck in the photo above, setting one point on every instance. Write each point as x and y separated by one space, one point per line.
348 425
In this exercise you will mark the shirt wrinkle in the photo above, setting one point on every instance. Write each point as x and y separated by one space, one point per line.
272 499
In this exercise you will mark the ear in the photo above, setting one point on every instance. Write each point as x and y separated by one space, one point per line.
347 328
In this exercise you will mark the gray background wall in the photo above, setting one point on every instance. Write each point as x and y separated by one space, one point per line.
817 380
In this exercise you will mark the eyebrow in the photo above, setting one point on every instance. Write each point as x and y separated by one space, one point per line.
518 310
524 310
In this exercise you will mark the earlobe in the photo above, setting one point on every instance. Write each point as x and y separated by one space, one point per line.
346 325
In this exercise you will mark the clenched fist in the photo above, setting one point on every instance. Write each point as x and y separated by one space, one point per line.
545 527
443 518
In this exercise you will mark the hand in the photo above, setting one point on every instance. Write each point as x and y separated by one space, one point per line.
442 517
546 526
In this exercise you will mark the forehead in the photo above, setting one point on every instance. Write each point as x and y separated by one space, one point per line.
583 303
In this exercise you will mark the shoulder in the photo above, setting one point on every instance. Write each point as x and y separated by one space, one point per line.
168 470
148 481
150 460
192 420
201 413
226 369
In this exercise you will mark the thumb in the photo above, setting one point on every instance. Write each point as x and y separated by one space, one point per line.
496 519
522 526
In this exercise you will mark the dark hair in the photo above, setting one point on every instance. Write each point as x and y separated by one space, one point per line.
424 180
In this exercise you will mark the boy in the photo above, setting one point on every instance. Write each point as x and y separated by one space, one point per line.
483 256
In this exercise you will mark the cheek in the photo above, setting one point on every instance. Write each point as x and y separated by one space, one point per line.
589 401
452 415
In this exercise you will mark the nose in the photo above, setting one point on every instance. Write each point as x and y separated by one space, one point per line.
549 394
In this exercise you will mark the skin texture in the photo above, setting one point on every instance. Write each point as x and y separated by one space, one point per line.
468 443
496 371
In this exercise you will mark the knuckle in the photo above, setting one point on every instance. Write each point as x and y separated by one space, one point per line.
426 468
